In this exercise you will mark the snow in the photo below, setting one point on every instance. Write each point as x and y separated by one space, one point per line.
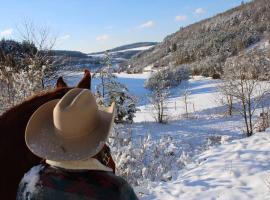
31 180
203 96
100 55
136 49
134 82
239 170
200 157
263 44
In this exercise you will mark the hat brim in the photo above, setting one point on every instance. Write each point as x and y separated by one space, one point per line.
42 139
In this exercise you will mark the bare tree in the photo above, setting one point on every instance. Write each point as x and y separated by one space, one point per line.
242 83
158 99
226 97
106 76
186 95
158 84
26 66
42 58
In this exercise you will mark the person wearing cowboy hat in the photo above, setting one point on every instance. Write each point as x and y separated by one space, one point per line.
70 135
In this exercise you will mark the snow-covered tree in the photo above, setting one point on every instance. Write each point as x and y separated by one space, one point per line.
242 82
225 97
125 102
158 84
111 90
41 57
158 102
106 76
186 96
167 77
19 78
99 98
26 66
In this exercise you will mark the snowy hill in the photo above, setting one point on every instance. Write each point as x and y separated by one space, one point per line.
238 170
200 157
135 48
72 60
120 55
204 46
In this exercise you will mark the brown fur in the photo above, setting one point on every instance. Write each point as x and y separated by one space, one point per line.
16 158
60 83
86 81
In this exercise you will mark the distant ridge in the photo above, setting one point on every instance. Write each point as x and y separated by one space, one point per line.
119 55
128 46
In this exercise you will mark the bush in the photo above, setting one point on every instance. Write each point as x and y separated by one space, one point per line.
168 77
146 159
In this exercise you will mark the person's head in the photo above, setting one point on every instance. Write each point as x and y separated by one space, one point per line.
71 128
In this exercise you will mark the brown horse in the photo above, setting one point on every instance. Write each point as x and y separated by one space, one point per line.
15 157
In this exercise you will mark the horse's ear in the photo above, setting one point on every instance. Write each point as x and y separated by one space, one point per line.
86 80
61 83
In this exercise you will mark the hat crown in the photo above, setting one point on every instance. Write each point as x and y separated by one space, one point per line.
76 114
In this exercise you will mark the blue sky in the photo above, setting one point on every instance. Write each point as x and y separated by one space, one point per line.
94 25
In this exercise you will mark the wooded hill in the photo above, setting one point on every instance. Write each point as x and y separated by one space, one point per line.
206 45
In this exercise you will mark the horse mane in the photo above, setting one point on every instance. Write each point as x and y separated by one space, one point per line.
15 157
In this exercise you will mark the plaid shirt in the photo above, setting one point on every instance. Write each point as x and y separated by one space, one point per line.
51 183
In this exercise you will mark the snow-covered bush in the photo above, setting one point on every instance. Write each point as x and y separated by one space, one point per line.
25 66
145 158
141 158
263 121
17 85
167 77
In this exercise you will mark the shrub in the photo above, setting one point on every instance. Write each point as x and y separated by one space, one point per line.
168 77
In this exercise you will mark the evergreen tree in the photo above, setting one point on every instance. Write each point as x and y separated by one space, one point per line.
113 91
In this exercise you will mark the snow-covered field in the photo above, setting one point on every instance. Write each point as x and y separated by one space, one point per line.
234 171
202 157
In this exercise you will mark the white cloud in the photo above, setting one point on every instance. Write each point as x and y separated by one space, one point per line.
180 18
200 11
64 37
102 37
148 24
6 32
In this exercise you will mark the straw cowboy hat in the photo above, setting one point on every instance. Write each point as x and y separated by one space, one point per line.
68 129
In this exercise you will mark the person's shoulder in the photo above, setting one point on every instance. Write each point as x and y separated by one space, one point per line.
125 189
32 176
107 177
29 184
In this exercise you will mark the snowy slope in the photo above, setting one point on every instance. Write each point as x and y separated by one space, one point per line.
125 51
202 155
143 48
239 170
203 96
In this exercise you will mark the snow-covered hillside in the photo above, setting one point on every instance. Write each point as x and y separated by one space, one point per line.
234 171
143 48
126 51
200 157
